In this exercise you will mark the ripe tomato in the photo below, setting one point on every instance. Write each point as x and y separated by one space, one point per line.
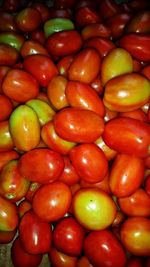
55 200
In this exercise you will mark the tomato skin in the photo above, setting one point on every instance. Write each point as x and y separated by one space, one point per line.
35 234
137 45
137 114
8 215
6 141
7 236
95 30
119 132
89 203
3 71
126 175
147 185
109 8
137 204
58 44
85 66
22 258
139 23
59 259
12 185
109 153
68 236
78 125
41 165
23 207
90 162
86 15
103 249
54 198
84 262
81 95
32 47
135 235
5 157
8 55
20 86
46 68
13 39
7 22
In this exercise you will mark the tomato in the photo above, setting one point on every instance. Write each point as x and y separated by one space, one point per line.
68 236
137 204
135 235
85 16
8 215
85 66
90 162
43 10
126 175
54 198
102 45
56 92
13 186
58 44
59 259
6 141
7 236
23 207
6 156
28 19
147 185
138 114
7 21
84 262
119 132
135 262
139 22
103 249
8 55
22 258
32 47
24 128
123 93
69 175
81 95
95 30
56 25
109 8
111 69
6 107
46 68
78 125
137 45
41 165
109 153
88 206
35 234
20 86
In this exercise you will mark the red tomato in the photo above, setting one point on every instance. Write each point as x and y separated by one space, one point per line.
139 22
6 107
84 262
31 47
81 95
78 125
6 142
8 55
7 236
8 215
95 30
119 132
135 235
35 234
147 185
103 249
20 86
41 165
28 19
59 259
135 262
3 71
22 258
69 175
90 162
6 156
23 207
68 236
54 198
85 66
126 175
137 204
86 15
137 45
102 45
46 68
59 44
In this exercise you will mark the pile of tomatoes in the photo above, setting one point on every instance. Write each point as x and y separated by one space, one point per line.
75 133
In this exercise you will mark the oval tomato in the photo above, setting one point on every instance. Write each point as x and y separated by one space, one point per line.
85 66
55 200
78 125
8 215
119 132
41 165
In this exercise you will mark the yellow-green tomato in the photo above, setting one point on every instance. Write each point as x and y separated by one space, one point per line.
42 109
94 208
24 128
118 61
127 92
